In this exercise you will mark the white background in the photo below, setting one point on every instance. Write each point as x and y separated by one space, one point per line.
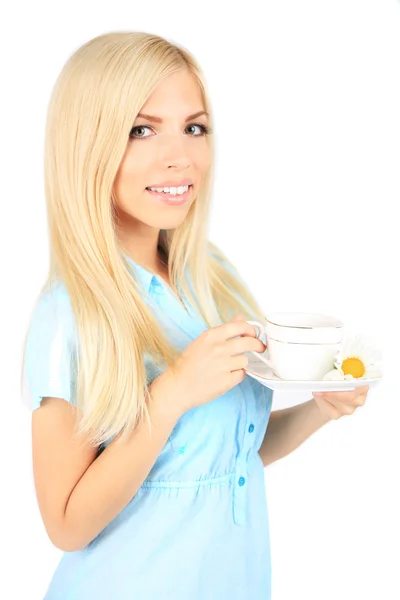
306 203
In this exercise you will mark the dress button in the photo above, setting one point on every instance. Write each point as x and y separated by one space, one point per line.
251 428
241 481
156 286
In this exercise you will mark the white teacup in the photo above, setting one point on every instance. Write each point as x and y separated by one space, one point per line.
301 346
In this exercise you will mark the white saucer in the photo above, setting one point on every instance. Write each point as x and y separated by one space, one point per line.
262 373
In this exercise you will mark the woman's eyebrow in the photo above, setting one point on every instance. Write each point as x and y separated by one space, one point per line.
158 120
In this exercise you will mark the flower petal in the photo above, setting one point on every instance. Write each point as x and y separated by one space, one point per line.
334 375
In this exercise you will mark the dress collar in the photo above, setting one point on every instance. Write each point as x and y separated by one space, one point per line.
145 277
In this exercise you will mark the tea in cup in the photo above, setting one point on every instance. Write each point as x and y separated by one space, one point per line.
301 346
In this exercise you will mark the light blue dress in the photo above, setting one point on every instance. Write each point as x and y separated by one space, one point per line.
197 529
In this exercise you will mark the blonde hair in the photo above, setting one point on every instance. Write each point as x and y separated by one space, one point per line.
94 104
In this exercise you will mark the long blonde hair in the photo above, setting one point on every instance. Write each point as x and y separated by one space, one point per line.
94 104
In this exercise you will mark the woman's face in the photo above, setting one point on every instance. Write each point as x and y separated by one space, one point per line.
163 152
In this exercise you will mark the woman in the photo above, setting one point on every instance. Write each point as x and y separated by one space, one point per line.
149 442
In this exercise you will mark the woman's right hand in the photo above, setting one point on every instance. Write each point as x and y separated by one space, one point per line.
212 364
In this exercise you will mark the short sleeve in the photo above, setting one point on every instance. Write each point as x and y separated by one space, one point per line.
49 364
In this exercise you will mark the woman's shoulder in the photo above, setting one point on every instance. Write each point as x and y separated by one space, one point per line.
49 358
55 293
53 308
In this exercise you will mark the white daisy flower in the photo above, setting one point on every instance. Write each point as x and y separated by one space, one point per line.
355 360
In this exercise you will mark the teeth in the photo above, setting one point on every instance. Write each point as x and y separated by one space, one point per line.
172 190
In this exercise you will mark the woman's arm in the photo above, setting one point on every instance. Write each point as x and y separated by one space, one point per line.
289 428
78 494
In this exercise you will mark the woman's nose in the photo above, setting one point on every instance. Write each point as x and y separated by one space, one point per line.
176 151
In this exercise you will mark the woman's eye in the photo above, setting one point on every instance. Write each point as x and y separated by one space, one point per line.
202 128
138 127
136 131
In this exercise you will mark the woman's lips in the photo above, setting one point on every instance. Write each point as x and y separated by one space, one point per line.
171 198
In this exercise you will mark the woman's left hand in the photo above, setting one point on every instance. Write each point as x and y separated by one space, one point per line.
336 404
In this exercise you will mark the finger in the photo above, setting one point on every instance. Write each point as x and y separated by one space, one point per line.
251 332
359 400
364 389
353 397
344 408
244 343
333 412
239 327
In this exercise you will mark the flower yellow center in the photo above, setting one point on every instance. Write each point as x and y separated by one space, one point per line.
353 366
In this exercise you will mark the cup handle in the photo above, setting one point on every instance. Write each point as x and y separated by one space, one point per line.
260 329
258 326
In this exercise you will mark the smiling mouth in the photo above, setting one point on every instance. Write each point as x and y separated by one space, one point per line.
167 193
173 199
